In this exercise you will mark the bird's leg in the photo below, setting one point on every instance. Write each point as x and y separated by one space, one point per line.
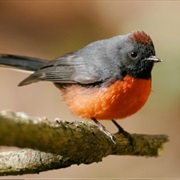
122 131
102 128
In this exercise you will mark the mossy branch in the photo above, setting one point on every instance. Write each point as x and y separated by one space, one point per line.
59 144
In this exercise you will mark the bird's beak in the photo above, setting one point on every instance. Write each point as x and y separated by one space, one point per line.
154 59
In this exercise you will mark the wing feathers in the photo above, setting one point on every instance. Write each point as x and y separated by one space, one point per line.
67 69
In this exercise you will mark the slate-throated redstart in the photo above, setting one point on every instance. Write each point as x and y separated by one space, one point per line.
107 79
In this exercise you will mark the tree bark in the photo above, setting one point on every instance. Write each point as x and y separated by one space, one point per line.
59 144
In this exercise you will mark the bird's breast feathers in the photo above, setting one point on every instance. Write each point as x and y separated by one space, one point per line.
119 100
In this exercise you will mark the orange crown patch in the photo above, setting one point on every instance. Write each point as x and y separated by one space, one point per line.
141 37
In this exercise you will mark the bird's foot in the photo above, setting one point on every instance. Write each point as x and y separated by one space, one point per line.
124 133
103 129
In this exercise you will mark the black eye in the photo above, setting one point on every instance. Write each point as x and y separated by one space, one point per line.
133 54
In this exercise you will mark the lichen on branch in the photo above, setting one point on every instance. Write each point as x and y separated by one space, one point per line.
59 144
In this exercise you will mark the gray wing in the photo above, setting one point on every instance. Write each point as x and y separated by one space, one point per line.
68 69
94 63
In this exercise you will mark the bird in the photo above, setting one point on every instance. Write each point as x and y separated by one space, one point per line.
108 79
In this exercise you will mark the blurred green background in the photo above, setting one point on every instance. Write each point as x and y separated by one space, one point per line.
48 29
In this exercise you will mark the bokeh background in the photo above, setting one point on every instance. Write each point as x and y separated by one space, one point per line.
48 29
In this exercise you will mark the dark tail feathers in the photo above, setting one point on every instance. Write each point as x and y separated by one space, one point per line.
22 62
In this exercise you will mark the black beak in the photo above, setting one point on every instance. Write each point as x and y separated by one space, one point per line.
154 59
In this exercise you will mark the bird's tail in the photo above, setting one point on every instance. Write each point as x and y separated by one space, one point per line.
21 62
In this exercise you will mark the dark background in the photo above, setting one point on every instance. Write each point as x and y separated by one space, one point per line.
47 29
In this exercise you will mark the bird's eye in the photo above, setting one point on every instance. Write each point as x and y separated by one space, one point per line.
133 54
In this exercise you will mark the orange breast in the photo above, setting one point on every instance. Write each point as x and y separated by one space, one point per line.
119 100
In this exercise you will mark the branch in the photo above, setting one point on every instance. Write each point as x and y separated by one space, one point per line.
61 144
